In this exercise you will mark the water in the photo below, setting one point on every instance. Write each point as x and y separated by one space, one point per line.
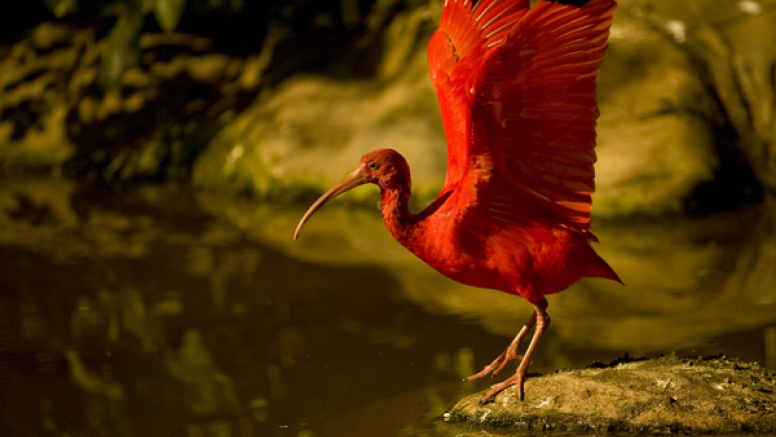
159 311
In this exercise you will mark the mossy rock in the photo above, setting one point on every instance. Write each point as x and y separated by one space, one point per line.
662 395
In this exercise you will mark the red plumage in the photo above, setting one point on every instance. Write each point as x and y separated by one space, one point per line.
516 86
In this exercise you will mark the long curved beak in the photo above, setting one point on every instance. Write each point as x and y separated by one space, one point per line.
351 181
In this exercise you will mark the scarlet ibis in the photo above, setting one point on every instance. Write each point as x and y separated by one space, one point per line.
516 85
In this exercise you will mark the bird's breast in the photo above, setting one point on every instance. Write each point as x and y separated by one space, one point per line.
460 256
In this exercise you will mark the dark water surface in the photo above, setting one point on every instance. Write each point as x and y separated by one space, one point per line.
165 312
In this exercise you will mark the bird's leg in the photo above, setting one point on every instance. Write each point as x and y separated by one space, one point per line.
509 354
542 321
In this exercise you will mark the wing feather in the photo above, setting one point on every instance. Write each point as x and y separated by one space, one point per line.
456 55
516 84
547 66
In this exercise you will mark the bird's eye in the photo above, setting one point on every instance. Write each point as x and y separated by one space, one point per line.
373 166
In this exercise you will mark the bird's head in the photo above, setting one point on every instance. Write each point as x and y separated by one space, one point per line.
384 167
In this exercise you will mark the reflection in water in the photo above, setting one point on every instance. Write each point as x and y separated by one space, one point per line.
770 346
162 313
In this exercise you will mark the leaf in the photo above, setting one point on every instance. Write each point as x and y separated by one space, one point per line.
168 13
61 8
122 48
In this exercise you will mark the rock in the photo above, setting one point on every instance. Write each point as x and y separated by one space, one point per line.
311 130
654 143
732 48
661 395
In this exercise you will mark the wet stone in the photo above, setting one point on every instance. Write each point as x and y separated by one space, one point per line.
660 395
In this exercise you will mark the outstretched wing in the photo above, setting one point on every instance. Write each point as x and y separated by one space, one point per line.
457 52
517 91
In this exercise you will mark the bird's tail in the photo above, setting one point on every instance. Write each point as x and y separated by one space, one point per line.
601 269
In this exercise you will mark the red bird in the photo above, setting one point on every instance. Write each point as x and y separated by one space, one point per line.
516 85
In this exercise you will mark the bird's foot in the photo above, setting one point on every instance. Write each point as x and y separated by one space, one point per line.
517 380
497 365
540 320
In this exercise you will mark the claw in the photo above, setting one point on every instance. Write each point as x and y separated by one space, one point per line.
517 380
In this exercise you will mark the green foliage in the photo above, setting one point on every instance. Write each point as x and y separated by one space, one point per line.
122 44
61 8
168 13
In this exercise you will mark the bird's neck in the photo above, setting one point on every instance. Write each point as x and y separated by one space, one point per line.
394 205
